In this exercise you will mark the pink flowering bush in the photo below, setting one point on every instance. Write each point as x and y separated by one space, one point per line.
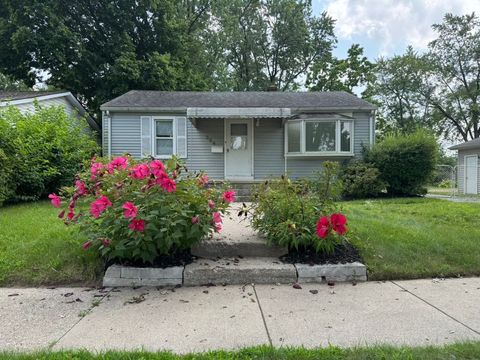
136 211
297 215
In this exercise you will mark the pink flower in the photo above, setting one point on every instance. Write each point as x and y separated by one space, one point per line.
323 227
157 167
229 196
95 169
106 242
117 163
80 188
99 206
203 180
55 200
217 218
218 227
140 171
194 220
137 225
168 184
211 204
130 210
87 244
70 214
338 223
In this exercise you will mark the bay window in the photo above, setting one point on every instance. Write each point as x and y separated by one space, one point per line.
319 137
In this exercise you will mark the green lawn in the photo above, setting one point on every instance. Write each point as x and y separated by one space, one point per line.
36 248
457 351
415 238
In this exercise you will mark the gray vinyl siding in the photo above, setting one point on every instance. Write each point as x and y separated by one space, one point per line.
61 101
200 139
461 169
125 134
269 140
269 143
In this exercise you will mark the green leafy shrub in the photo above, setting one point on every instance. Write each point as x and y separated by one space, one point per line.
406 162
136 211
361 180
46 148
299 214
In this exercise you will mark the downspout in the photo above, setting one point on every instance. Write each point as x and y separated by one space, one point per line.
372 128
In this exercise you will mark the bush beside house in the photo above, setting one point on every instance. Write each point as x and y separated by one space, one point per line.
40 152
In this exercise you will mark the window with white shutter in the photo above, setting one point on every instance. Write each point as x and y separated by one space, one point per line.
181 140
146 135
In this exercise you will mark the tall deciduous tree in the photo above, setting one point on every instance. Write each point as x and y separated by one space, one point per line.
455 76
331 73
259 43
100 49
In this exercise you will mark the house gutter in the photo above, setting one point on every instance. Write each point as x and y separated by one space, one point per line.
184 109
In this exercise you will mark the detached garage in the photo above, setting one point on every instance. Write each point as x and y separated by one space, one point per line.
468 167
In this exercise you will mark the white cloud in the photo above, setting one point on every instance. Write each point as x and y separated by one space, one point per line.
393 24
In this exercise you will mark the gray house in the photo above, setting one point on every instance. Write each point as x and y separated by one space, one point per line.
468 166
240 136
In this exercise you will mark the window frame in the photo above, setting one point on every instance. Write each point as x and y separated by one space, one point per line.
338 138
155 137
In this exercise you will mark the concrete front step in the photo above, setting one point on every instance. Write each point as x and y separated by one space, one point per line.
252 247
238 271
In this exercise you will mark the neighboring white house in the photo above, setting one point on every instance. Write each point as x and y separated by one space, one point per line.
24 100
468 166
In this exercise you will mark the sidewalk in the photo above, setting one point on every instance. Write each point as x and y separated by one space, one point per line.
419 312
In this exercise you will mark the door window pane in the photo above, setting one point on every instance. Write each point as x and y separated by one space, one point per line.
320 136
238 136
345 136
164 146
164 128
294 136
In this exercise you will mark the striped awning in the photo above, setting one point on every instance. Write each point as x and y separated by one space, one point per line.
215 112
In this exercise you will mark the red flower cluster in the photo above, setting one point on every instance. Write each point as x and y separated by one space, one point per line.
336 222
229 196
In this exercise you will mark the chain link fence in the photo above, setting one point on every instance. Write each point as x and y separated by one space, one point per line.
455 181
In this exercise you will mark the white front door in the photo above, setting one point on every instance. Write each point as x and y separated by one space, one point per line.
471 174
238 149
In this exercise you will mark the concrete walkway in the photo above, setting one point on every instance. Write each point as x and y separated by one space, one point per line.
420 312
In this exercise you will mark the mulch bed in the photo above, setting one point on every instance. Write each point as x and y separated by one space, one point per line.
180 258
343 253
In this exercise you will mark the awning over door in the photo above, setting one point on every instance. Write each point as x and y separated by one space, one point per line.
215 112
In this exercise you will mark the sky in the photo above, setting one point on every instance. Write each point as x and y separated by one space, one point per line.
387 27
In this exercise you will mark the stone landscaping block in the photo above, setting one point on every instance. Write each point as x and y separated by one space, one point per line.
118 276
331 272
235 271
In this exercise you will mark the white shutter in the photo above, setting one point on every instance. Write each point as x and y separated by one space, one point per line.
146 135
181 136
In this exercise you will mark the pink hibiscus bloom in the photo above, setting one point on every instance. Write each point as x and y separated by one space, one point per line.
194 220
55 200
137 225
70 214
99 206
106 242
323 227
338 223
218 227
202 180
168 184
95 169
157 167
229 196
87 244
217 217
80 188
211 204
140 171
120 162
129 210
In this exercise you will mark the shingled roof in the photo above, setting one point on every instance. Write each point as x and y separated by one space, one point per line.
181 100
472 144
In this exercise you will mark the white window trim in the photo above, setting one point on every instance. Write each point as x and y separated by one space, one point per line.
304 153
154 136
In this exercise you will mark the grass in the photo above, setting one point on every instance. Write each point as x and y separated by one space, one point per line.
36 248
441 190
461 351
414 238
